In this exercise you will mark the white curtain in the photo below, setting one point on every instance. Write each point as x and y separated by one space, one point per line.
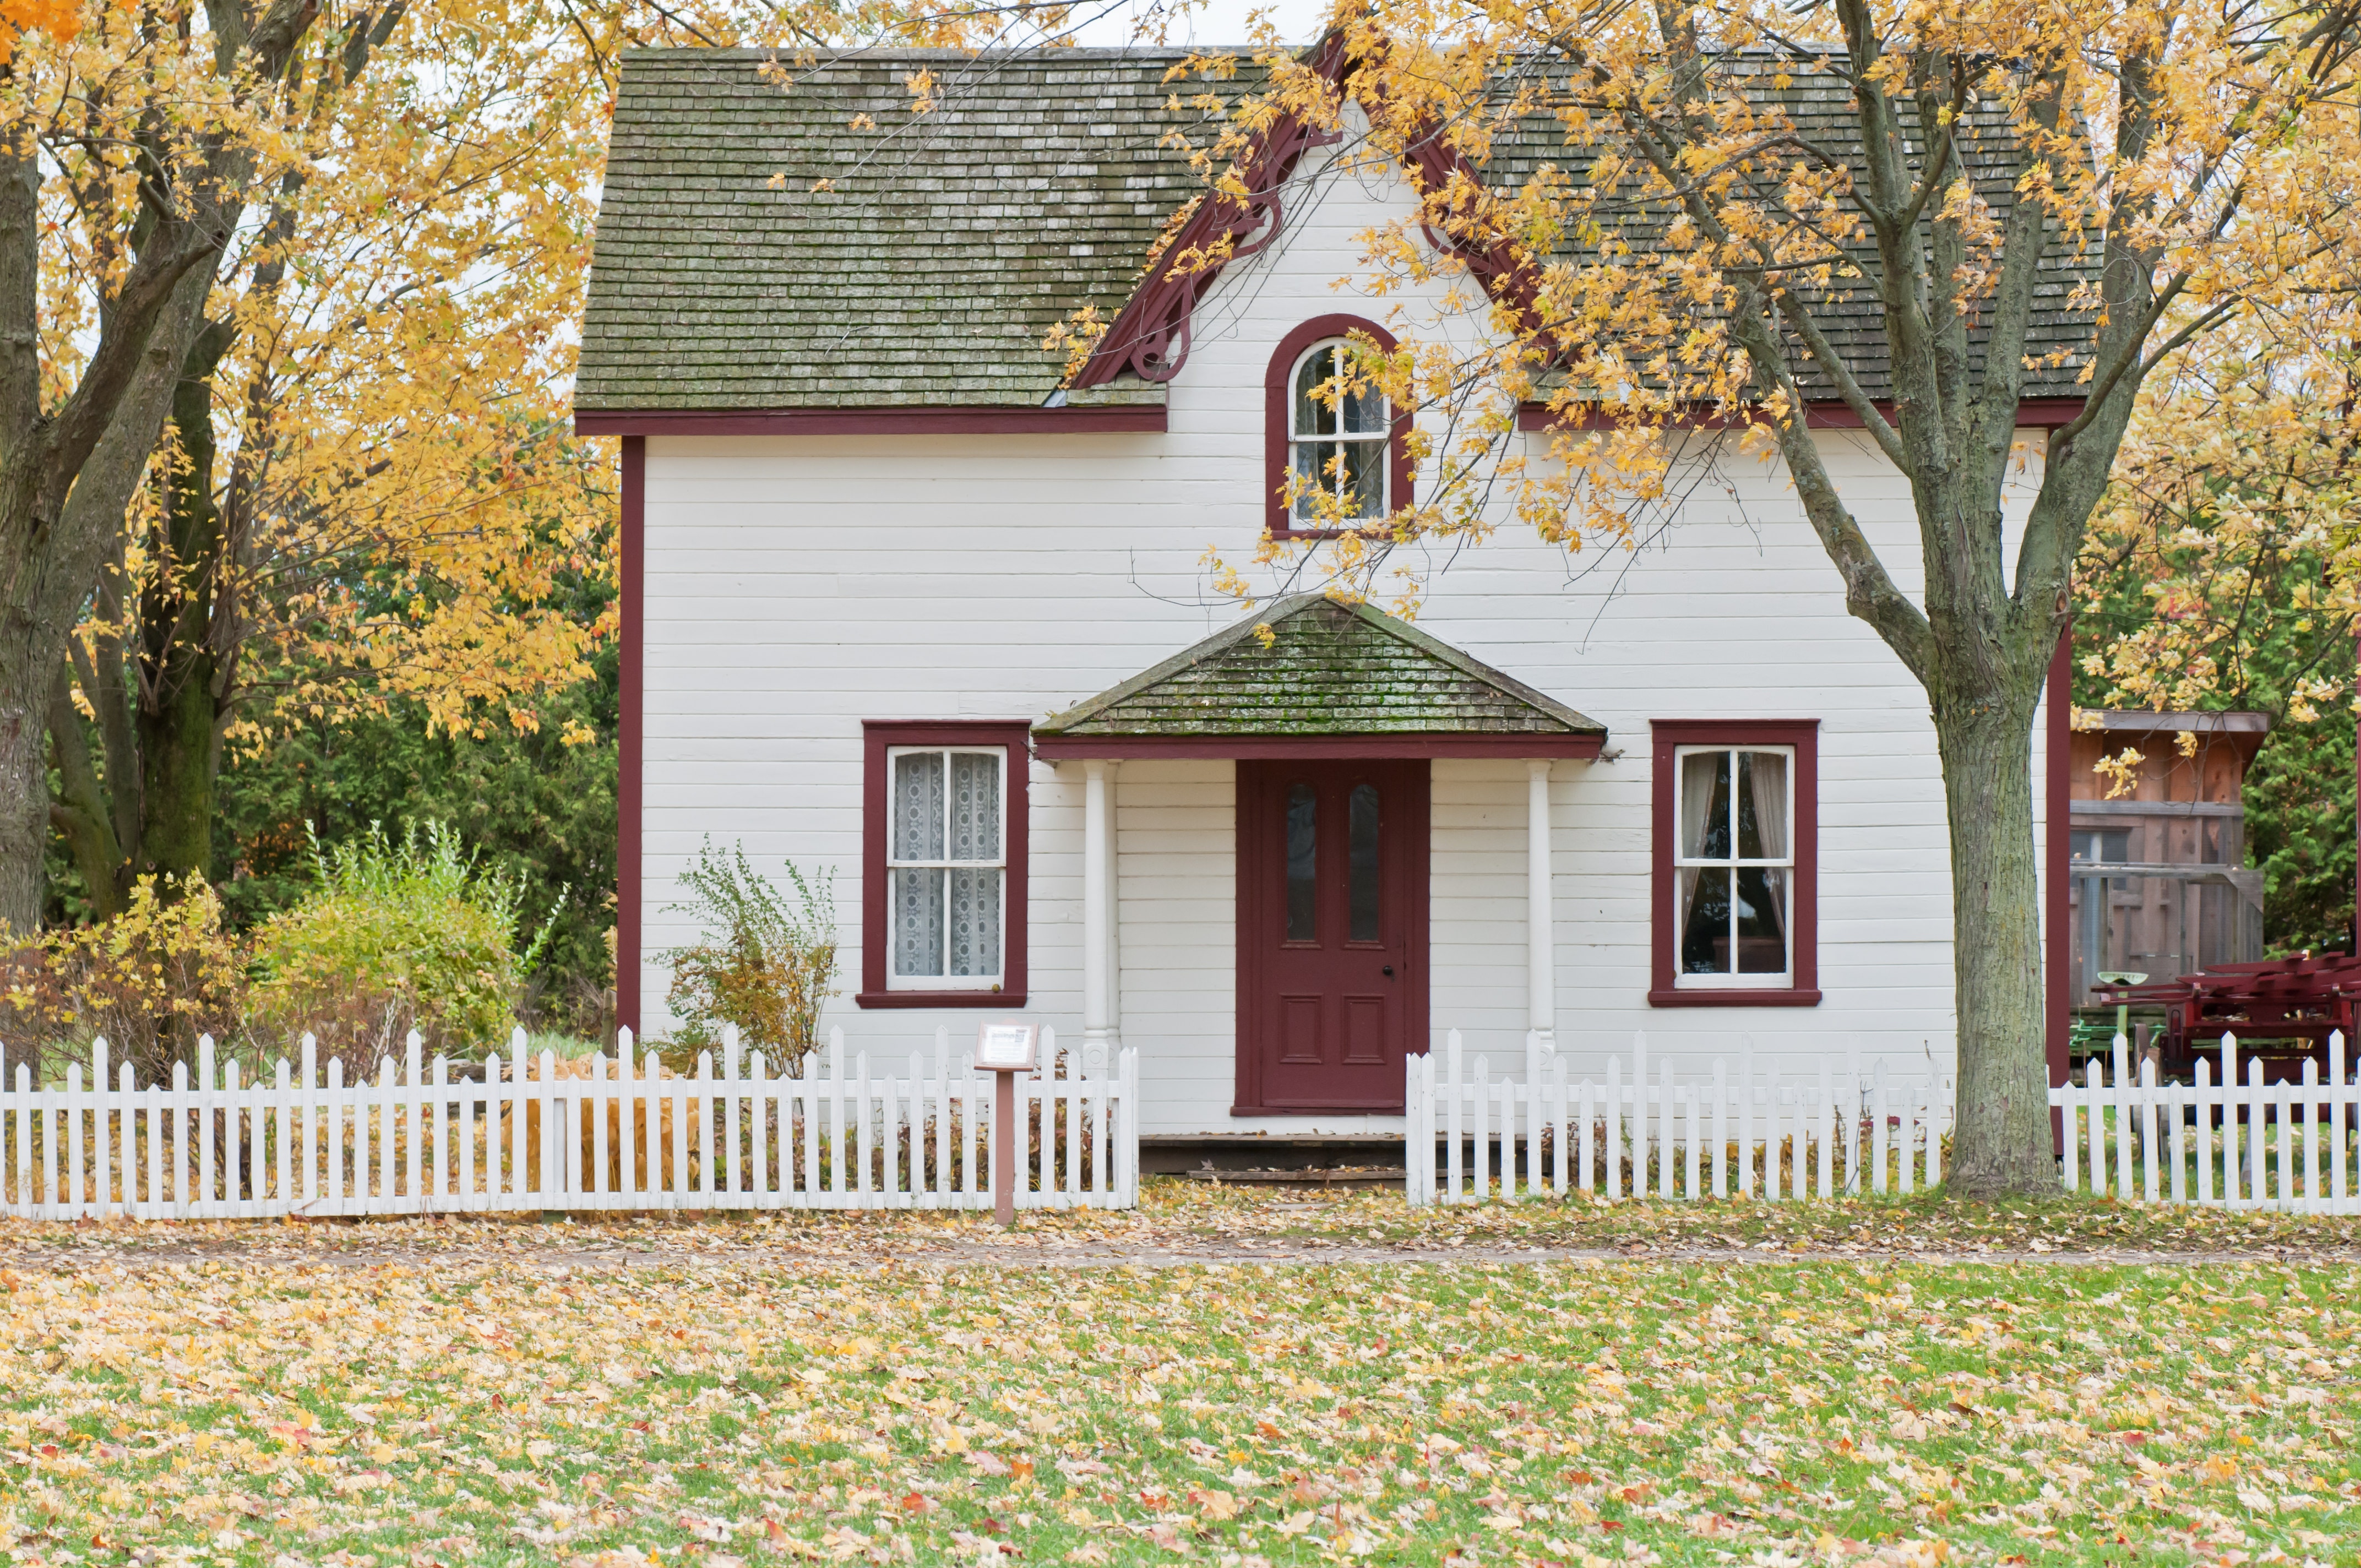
1766 774
1698 770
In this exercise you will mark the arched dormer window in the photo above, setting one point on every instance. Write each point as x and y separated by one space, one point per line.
1338 435
1341 448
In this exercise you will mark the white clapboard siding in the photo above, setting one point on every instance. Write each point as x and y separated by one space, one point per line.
1671 1133
531 1133
2224 1140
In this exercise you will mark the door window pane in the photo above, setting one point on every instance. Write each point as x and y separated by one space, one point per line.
1361 830
1302 863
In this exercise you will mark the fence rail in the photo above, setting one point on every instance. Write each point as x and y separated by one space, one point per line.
532 1132
1469 1137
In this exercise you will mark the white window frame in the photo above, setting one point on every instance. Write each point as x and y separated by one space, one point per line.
896 981
1752 979
1382 439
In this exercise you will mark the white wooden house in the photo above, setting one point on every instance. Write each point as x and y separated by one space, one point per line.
904 600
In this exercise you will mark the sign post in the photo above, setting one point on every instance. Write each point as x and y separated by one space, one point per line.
1004 1049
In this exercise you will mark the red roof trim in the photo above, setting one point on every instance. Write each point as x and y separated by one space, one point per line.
1306 748
2033 413
1149 336
1002 420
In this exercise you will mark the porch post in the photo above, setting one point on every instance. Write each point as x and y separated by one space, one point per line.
1098 915
1541 951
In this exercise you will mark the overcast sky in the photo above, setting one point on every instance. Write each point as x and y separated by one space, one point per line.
1216 22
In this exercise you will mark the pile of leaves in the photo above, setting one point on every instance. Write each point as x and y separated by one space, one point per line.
470 1411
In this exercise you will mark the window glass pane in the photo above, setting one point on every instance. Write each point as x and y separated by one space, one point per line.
975 806
917 922
1312 469
1705 806
1314 416
1762 920
1705 932
1365 480
918 806
1302 863
1361 833
975 923
1763 806
1365 410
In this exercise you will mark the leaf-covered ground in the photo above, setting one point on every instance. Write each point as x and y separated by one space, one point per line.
704 1392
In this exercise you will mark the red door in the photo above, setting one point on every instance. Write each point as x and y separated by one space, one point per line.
1332 933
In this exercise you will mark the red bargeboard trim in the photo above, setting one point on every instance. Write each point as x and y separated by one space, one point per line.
876 736
1014 421
629 734
1290 748
1803 735
2033 413
1277 400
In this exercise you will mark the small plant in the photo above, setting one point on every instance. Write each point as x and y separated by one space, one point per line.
397 936
763 963
151 981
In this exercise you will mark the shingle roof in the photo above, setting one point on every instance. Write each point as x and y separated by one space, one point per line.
953 240
1330 669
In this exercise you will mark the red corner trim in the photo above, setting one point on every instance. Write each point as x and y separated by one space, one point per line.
629 738
2033 413
2056 853
1014 421
1277 400
1803 735
876 736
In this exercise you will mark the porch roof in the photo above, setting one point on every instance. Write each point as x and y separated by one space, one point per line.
1333 680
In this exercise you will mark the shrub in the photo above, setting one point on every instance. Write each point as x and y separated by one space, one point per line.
150 980
396 937
763 965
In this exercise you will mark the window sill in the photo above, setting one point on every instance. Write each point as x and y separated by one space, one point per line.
939 999
1324 533
1702 997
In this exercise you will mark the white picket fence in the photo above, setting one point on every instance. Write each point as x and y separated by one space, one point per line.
2217 1141
535 1133
1470 1136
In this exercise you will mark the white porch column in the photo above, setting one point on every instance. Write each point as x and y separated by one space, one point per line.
1540 947
1098 906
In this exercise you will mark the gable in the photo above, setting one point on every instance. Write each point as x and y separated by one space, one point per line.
1329 669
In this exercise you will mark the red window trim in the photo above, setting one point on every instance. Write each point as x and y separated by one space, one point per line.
1803 735
1276 396
876 736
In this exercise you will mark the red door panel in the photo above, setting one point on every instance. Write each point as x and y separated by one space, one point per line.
1332 932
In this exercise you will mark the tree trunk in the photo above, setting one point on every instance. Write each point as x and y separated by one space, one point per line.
180 706
1985 738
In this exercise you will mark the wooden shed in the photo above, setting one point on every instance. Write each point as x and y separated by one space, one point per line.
2176 894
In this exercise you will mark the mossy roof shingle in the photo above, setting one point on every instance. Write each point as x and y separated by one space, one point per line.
953 240
1329 669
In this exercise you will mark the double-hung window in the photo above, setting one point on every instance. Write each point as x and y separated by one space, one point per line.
1736 865
1736 829
948 867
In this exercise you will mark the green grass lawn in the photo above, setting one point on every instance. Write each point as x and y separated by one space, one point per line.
464 1411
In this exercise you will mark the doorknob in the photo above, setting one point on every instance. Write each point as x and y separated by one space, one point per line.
1390 972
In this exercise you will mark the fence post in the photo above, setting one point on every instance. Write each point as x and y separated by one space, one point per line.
2336 1099
1614 1150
